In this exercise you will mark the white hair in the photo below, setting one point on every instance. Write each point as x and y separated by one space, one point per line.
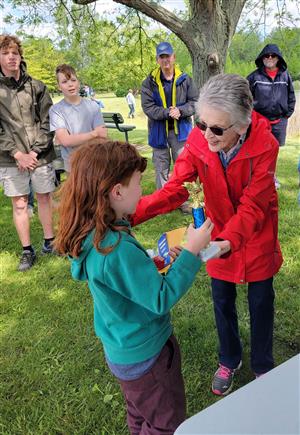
229 93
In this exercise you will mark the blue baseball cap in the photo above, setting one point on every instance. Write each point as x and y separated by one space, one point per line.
164 48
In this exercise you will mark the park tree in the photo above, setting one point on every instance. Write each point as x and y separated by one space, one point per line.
206 32
109 56
42 58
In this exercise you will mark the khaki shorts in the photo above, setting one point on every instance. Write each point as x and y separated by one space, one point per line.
16 183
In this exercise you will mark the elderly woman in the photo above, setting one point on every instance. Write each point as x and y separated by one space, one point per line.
233 153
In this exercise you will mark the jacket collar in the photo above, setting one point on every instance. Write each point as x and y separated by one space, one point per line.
155 74
11 82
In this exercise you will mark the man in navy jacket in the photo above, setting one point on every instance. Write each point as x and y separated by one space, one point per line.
168 100
272 90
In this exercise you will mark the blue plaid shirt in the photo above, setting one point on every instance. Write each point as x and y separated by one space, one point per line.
226 157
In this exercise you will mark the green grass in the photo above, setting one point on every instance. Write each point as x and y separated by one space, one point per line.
53 376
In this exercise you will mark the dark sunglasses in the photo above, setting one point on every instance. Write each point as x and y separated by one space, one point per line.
266 56
218 131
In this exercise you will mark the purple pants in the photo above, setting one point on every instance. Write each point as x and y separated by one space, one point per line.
156 403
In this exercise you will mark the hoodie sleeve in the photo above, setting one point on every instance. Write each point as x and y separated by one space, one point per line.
136 278
291 97
44 138
150 108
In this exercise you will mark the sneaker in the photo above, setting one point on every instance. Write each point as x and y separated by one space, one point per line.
26 261
258 375
48 249
223 380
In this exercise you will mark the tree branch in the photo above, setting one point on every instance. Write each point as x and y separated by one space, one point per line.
152 10
84 2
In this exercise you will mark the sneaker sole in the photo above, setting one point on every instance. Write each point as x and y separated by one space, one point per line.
28 268
219 393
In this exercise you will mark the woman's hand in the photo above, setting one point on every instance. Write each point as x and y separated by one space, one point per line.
199 238
224 246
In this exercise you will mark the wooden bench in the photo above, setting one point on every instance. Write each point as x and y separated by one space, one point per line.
116 120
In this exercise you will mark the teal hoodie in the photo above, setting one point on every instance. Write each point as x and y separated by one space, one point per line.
132 301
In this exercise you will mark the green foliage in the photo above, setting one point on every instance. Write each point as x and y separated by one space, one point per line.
183 57
288 41
114 55
297 85
41 59
246 46
110 55
121 92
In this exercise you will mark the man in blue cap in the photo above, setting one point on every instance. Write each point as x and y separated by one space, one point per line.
168 100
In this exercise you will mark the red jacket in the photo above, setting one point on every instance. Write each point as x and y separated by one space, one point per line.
241 202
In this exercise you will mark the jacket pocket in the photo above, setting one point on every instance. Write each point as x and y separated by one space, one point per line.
184 129
157 135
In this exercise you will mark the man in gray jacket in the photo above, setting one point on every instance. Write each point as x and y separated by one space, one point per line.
26 146
168 100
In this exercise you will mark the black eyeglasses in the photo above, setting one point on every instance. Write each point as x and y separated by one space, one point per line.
272 55
218 131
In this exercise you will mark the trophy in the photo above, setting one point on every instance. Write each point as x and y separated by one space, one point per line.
197 202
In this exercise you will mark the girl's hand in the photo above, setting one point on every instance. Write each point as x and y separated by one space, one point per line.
175 251
199 238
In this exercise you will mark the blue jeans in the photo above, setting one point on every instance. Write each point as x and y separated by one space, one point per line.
279 130
131 110
261 307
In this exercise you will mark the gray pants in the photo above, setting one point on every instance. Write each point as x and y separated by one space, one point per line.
161 158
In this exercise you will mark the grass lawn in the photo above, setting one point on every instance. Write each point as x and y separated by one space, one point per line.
53 376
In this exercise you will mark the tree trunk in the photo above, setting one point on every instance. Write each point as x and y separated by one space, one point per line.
207 34
208 56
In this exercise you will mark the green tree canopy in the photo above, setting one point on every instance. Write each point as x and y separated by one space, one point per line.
42 58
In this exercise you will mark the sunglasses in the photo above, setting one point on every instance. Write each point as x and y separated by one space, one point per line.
218 131
266 56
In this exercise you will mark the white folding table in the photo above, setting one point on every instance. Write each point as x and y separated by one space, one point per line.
268 405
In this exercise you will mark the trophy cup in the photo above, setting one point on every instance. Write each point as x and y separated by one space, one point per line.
197 202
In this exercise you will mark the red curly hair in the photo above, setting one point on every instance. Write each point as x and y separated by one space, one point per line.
84 197
7 41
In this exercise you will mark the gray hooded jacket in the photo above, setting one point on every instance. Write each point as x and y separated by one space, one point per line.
24 119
